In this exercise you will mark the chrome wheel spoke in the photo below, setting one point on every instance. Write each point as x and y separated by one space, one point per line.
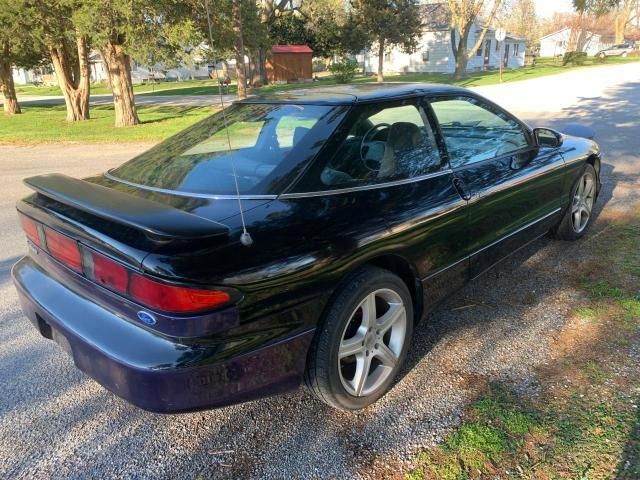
385 355
588 191
369 311
577 218
351 346
395 312
362 373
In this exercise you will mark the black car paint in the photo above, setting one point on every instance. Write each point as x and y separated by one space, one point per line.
436 232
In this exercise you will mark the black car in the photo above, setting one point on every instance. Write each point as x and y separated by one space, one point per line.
359 208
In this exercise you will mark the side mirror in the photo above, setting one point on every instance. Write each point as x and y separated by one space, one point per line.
545 137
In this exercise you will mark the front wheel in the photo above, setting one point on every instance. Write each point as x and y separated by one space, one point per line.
362 341
578 216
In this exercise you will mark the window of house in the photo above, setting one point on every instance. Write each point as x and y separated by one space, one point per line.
475 132
516 49
378 144
425 55
479 52
387 56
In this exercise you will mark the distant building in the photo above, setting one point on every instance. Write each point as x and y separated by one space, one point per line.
569 40
435 54
97 68
289 63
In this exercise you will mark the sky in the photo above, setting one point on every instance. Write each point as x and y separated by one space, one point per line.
546 8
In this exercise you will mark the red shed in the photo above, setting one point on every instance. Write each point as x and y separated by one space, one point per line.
289 62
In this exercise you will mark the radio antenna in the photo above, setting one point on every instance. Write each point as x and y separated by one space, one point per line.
245 237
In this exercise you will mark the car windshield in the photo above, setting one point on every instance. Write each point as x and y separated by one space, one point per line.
264 142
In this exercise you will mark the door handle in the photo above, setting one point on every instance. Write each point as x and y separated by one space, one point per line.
462 189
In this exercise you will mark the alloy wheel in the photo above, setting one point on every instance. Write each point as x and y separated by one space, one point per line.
372 342
582 204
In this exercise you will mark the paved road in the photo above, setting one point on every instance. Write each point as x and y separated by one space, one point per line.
57 423
141 99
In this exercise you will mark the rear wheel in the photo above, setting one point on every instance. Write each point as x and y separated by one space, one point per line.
362 341
578 216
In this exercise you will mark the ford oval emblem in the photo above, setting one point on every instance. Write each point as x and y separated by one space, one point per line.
146 317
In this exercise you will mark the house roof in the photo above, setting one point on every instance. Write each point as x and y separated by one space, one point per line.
291 49
554 33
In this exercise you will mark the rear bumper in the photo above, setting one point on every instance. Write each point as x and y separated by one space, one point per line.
151 370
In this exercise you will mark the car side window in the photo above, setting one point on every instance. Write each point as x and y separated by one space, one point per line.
380 143
474 132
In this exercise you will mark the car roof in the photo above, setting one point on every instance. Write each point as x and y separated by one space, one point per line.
350 94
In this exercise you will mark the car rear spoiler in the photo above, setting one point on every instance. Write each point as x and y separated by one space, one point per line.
158 221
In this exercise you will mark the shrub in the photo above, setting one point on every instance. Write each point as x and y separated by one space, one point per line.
634 54
575 58
344 70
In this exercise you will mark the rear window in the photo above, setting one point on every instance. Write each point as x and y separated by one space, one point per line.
264 141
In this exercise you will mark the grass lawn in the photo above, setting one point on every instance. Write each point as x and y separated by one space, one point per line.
543 67
47 124
201 87
585 421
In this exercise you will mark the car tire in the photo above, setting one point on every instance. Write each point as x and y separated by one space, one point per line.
367 327
579 213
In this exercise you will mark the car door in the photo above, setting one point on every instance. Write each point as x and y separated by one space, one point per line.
514 187
384 162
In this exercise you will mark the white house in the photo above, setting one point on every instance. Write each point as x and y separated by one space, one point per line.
434 52
98 72
557 43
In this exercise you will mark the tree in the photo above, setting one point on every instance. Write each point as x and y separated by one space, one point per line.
387 23
520 19
464 13
238 48
17 48
68 50
118 28
624 14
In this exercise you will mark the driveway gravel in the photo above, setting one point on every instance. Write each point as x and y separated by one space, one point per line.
57 423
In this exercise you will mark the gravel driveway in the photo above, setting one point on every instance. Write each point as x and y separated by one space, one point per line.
56 422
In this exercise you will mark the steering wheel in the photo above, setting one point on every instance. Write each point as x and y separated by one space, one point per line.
363 153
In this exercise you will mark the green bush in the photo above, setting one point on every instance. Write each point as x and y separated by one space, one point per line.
575 58
344 70
600 58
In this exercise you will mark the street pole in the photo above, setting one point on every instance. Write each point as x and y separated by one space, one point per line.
501 35
501 59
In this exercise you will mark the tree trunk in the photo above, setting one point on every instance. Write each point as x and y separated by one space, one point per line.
620 23
74 78
7 86
262 70
124 103
381 60
238 44
461 54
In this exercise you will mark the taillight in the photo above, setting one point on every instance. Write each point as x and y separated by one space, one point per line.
148 292
30 227
63 249
116 277
172 298
106 272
